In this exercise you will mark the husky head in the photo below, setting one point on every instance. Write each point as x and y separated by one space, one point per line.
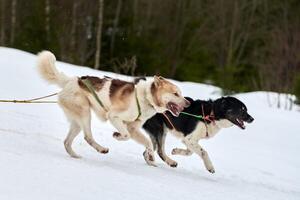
235 111
167 96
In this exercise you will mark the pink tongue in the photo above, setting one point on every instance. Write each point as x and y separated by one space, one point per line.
174 109
241 123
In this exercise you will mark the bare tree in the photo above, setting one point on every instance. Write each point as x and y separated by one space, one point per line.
180 22
13 21
73 29
128 67
282 60
99 34
2 33
47 21
115 27
135 13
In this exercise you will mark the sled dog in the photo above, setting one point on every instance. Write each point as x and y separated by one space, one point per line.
220 113
125 104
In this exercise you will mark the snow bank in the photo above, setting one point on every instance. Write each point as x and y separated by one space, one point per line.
261 162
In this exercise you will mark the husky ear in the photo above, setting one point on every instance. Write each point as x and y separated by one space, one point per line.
223 103
158 80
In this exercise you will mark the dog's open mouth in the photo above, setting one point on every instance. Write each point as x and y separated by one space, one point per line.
174 108
240 123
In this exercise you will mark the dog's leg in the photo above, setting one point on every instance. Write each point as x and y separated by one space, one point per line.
148 153
161 151
182 152
123 133
154 143
137 136
100 113
195 147
85 123
73 132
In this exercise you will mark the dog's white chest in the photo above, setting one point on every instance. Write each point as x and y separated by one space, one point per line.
204 132
146 112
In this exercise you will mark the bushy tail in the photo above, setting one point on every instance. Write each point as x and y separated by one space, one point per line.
48 71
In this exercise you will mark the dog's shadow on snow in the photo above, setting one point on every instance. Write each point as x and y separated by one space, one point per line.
140 168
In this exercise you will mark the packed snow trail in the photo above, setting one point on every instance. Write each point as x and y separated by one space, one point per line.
261 162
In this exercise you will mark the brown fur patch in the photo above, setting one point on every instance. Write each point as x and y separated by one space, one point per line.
95 81
121 93
154 92
120 88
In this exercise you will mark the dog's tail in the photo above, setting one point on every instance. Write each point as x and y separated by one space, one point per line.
48 71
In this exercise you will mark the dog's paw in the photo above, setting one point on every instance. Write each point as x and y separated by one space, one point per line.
173 164
175 151
212 170
149 158
120 137
104 150
76 156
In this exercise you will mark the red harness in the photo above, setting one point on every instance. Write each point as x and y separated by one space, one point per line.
206 118
210 118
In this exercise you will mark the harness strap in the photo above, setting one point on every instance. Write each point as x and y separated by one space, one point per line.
90 87
209 118
192 115
168 119
205 120
138 105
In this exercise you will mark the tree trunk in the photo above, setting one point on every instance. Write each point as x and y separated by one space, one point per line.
47 21
179 28
73 31
149 12
135 14
13 21
116 23
2 33
99 34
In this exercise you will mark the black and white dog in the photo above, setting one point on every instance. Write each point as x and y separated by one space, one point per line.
220 113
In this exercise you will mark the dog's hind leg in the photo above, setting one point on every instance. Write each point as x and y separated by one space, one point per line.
195 147
161 138
85 123
73 132
182 152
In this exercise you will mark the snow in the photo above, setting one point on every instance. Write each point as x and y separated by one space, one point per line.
261 162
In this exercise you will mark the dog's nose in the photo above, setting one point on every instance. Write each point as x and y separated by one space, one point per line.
250 119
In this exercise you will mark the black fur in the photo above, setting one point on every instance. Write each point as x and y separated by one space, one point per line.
228 108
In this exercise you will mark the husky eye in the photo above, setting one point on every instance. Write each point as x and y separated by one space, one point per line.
176 94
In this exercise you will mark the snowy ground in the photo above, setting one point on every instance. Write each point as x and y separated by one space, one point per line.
261 162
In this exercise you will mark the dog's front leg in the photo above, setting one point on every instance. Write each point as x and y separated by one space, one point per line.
195 147
140 138
123 133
